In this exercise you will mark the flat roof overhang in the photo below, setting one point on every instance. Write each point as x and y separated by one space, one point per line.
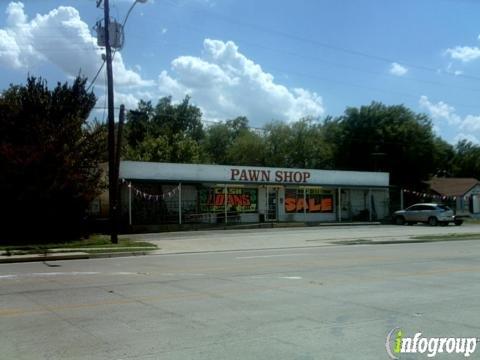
239 175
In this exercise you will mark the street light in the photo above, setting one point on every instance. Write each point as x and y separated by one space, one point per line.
131 8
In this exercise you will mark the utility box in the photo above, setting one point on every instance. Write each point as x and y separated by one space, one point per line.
115 32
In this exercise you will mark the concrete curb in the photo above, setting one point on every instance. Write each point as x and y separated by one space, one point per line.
67 256
43 257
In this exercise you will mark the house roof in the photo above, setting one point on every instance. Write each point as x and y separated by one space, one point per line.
452 186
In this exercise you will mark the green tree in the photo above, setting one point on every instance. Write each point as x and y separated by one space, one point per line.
278 142
308 147
167 132
248 148
443 158
220 136
49 159
388 138
301 144
466 161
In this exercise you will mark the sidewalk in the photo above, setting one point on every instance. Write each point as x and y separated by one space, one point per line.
186 242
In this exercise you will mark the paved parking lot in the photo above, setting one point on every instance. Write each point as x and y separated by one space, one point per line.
225 240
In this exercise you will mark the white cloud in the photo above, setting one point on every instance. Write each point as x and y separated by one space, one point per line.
397 69
59 37
464 53
468 137
440 111
9 51
224 83
170 86
468 126
471 123
128 99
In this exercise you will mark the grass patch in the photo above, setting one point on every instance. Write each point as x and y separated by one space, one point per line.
474 221
413 239
95 244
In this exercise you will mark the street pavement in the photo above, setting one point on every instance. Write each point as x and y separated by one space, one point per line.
318 302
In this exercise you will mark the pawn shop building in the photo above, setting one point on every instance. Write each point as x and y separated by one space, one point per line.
165 193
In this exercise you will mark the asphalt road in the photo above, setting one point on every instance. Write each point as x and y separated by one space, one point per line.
332 302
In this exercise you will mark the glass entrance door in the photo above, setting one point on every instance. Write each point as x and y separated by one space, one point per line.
272 198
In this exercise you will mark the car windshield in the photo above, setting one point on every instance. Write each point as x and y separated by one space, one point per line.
443 207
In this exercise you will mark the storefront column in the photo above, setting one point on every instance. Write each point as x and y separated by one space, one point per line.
370 205
339 205
305 204
180 203
226 203
130 203
267 208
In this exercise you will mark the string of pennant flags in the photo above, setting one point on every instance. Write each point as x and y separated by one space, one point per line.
434 196
147 196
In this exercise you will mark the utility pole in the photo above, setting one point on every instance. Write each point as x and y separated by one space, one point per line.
118 150
112 178
105 38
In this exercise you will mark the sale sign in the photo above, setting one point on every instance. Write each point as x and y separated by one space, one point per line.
313 201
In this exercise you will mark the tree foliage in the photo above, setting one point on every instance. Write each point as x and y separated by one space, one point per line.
389 138
48 158
248 148
221 136
166 133
466 161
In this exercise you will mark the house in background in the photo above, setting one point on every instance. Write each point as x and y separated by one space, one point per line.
462 194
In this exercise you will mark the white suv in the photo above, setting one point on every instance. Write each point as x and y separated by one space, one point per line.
432 214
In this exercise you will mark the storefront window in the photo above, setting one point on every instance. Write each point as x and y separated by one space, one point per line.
315 200
239 199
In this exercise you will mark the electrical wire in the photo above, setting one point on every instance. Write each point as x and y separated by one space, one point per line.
96 75
230 20
115 50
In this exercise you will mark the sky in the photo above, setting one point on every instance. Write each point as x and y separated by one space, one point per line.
264 59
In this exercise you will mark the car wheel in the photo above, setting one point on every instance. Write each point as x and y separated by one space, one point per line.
399 220
458 222
432 221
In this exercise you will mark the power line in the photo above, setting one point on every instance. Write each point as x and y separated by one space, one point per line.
340 65
264 29
363 86
96 75
115 50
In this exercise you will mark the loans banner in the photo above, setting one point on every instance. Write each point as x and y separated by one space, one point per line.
238 199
